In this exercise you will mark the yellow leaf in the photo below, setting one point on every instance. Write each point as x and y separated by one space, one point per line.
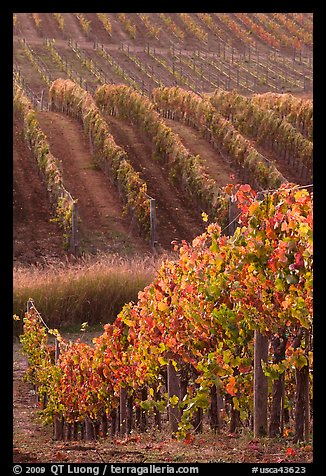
204 216
129 322
174 400
162 361
162 306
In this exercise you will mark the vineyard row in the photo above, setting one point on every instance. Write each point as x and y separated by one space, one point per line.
228 323
287 32
197 71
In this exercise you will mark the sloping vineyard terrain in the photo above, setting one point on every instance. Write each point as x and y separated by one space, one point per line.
186 138
31 210
101 214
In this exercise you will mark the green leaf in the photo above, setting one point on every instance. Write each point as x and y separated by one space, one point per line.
300 361
279 284
201 401
160 405
146 404
292 279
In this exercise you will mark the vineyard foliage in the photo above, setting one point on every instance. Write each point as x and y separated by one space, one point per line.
200 318
184 168
65 95
297 111
47 163
201 52
188 105
199 314
266 126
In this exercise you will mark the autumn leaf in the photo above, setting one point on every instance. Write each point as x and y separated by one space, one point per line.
290 452
204 216
59 456
189 438
230 386
174 400
162 306
253 208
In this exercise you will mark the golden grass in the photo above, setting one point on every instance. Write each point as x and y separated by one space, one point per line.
67 294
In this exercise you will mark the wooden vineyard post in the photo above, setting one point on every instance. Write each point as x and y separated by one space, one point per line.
130 422
56 350
197 421
41 103
233 209
104 425
74 231
307 392
157 413
137 416
299 412
173 391
113 416
260 385
152 222
275 426
143 413
306 406
29 305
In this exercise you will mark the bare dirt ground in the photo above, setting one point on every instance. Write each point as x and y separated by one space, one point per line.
36 239
213 162
177 217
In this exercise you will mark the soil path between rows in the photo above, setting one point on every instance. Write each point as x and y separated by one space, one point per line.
178 218
215 165
103 225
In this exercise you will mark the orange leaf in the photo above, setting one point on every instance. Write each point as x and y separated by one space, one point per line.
230 387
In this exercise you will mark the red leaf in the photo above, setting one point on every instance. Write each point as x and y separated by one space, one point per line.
189 438
290 452
298 259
